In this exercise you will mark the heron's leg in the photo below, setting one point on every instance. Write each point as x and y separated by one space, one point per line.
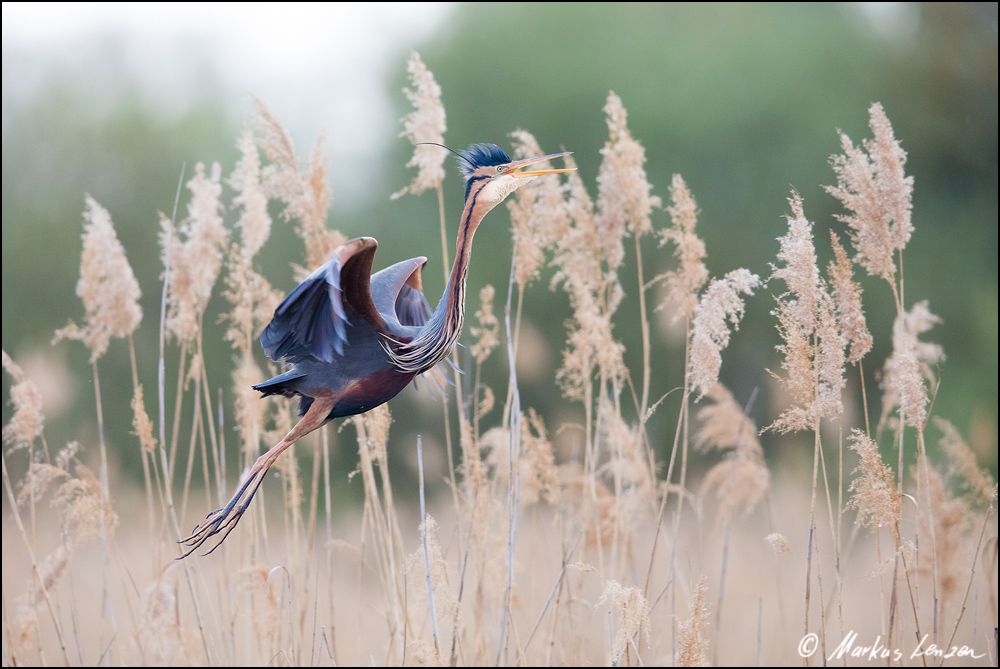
224 520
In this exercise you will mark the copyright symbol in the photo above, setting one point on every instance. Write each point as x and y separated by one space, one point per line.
808 645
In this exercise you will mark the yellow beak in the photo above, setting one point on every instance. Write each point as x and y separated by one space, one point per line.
510 170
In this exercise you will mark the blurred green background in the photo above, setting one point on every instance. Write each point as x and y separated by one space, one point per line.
743 100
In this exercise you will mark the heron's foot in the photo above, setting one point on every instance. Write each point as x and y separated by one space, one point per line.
223 521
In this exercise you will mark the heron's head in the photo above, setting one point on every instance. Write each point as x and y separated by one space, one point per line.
492 175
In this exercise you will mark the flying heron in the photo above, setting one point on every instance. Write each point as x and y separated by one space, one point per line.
355 339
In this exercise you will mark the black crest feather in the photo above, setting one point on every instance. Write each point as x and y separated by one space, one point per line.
479 155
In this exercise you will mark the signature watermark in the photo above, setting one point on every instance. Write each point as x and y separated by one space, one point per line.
878 651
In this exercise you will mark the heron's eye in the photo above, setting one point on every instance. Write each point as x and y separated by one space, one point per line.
499 168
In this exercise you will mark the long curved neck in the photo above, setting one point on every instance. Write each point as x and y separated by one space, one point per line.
441 332
453 299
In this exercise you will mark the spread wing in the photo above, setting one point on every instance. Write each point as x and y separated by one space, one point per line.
311 320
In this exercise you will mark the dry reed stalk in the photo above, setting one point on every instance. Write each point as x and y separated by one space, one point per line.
514 476
835 524
719 306
972 572
577 260
110 294
425 127
624 205
741 481
683 287
555 592
706 317
252 298
291 488
484 565
441 602
168 224
624 202
945 519
143 427
84 512
167 239
872 185
586 268
814 345
24 426
538 217
847 299
876 496
910 369
373 429
951 518
854 328
424 530
196 423
196 263
813 355
24 628
306 197
905 374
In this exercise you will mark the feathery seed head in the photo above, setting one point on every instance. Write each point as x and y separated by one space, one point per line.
624 201
962 462
847 296
306 196
538 214
425 127
27 421
692 647
720 303
487 332
254 223
107 286
909 369
631 614
684 283
196 262
814 344
875 495
871 183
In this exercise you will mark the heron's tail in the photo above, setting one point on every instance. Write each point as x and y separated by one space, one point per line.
281 384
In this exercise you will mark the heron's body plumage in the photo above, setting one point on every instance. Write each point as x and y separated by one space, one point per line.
355 339
361 315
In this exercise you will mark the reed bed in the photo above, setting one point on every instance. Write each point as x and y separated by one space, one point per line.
617 551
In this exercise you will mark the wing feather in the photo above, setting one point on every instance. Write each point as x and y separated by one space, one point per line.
398 294
312 319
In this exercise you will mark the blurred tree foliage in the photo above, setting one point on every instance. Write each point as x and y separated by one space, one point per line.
743 100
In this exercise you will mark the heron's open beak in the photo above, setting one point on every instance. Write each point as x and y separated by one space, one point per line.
518 164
